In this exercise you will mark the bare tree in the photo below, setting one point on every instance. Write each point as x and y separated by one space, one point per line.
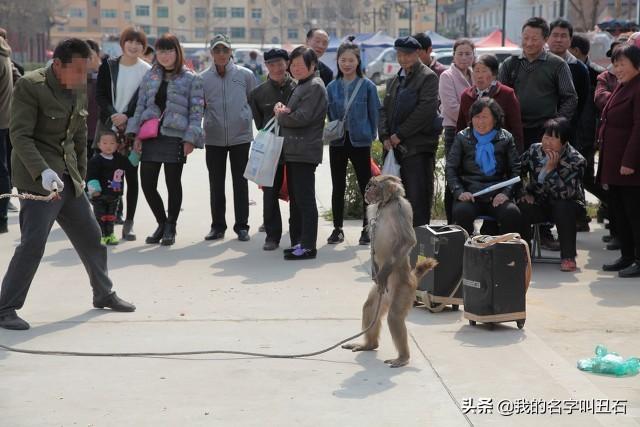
588 12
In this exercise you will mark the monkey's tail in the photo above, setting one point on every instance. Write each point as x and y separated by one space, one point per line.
423 267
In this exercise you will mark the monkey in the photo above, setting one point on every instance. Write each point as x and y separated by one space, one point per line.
392 237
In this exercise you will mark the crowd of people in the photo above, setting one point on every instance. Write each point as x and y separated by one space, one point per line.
541 116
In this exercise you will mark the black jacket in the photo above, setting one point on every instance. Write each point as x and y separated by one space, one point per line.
106 86
463 173
263 98
589 119
325 73
409 110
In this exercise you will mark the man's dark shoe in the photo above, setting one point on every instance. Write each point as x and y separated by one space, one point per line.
214 235
607 238
613 245
261 229
156 236
270 246
13 322
291 249
115 303
549 243
619 264
337 236
632 271
243 235
301 254
364 237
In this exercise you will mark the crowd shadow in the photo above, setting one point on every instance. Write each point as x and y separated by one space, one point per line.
614 291
376 377
16 338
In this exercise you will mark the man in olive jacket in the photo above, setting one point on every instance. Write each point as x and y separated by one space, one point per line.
408 125
49 134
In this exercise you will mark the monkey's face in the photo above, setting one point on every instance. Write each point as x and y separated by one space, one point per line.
382 188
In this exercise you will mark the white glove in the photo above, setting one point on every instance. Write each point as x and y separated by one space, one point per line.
49 177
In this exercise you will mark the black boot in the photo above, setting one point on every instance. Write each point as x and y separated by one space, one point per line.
169 236
157 235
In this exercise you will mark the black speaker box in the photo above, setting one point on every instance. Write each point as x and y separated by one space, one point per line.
446 245
494 283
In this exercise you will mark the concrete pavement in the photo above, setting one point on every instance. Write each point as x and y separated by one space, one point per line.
232 295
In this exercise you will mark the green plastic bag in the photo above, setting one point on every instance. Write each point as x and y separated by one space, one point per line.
610 363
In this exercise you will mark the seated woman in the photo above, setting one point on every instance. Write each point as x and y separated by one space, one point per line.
553 169
482 155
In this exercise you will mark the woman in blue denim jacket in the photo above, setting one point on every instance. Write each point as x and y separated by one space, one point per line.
360 129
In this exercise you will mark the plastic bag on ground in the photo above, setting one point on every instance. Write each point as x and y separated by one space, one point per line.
610 363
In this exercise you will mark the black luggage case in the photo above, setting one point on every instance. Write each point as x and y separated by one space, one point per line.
445 244
495 280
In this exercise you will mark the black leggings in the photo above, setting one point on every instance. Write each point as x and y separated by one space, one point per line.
339 158
131 179
149 172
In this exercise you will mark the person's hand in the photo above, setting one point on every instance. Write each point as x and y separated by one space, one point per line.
188 148
387 145
137 145
626 171
466 197
395 140
528 198
552 163
119 120
50 179
499 199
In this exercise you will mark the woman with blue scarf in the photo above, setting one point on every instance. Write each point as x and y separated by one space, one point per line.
482 155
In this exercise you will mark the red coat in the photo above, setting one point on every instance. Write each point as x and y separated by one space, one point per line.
607 82
619 135
506 98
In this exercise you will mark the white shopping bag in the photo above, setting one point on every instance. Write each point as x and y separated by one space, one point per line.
264 155
391 165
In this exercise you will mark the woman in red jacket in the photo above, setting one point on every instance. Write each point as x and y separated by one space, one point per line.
619 165
485 75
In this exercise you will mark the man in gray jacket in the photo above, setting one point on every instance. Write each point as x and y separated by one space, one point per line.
228 129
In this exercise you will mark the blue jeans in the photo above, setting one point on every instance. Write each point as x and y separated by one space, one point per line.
5 179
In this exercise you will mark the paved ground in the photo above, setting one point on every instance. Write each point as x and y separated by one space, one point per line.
232 295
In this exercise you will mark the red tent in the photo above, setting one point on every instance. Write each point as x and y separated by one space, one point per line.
495 40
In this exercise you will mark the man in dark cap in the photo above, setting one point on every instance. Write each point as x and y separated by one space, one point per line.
408 126
425 52
277 88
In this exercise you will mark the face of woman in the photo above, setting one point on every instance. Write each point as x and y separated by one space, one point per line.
624 69
348 63
463 57
166 58
299 69
132 49
551 143
483 122
482 76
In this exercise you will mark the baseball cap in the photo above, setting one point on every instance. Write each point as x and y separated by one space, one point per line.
220 39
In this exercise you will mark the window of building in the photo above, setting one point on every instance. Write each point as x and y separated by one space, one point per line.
219 12
143 11
555 9
111 30
292 14
200 12
146 29
404 14
237 12
533 11
220 30
77 29
201 33
127 15
257 33
163 12
163 30
94 3
403 32
540 10
313 13
238 33
182 19
256 13
292 34
76 12
109 13
94 22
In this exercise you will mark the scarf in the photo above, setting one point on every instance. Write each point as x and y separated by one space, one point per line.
485 156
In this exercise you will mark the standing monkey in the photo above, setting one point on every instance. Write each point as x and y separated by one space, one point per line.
392 238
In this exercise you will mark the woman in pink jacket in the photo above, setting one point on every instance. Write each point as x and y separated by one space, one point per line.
453 83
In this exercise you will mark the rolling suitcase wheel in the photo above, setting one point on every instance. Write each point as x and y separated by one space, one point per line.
455 307
520 323
472 322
